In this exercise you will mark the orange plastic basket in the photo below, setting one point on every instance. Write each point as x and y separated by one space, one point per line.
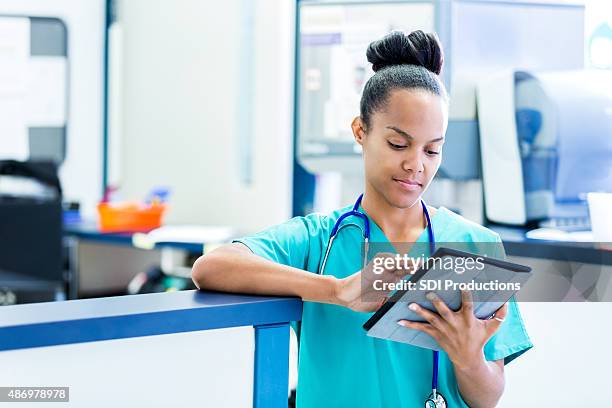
130 217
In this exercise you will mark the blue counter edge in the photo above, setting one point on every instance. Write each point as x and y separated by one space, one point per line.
79 321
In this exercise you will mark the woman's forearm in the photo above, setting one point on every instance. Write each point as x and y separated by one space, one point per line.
481 385
234 268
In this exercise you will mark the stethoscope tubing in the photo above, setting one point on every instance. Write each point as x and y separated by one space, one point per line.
366 235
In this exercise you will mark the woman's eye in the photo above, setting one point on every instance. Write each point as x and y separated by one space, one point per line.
396 146
432 152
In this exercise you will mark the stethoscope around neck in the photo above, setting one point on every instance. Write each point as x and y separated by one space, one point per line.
435 399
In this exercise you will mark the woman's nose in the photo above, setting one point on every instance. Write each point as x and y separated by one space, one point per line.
413 161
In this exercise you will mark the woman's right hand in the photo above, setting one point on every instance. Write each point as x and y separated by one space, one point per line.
358 291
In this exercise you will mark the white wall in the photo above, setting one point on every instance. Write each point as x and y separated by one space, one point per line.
210 368
180 95
569 364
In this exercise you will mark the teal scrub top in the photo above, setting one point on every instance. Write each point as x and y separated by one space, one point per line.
339 365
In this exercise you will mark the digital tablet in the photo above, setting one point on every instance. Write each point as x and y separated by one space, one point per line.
491 281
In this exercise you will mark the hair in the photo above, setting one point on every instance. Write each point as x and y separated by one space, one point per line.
401 61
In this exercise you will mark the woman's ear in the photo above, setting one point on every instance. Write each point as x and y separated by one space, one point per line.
358 130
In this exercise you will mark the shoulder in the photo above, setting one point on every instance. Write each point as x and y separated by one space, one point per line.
459 228
317 221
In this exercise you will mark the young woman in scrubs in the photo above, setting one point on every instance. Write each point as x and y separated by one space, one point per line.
401 128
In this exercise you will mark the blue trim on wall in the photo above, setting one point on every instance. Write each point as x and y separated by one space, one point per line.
304 183
271 371
86 320
109 19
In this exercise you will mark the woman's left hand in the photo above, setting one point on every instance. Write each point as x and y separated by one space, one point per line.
461 334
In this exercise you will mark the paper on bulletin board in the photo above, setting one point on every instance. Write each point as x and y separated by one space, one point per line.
46 93
14 55
15 37
13 130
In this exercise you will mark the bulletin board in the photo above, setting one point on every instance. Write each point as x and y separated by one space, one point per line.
33 88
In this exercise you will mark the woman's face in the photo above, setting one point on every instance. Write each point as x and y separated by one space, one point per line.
402 149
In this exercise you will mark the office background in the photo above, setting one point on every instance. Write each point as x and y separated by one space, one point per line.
203 98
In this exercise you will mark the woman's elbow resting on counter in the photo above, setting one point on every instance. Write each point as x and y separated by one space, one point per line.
214 260
202 267
196 272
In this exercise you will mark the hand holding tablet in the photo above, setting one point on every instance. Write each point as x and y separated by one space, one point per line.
493 282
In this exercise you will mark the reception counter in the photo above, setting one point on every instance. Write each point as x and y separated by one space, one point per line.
190 347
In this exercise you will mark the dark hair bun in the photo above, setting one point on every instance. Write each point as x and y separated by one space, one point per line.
416 48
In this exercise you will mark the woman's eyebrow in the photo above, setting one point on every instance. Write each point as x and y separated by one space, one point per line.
410 138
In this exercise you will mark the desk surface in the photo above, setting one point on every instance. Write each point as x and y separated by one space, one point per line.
516 244
78 321
88 230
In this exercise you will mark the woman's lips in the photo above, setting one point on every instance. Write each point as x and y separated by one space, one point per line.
408 185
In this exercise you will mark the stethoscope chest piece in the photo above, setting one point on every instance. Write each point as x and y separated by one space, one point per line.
435 401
